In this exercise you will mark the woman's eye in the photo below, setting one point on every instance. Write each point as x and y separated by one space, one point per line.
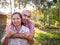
17 18
13 18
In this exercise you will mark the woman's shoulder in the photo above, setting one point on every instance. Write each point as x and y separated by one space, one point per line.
25 28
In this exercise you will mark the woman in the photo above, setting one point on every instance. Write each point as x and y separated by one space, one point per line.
18 29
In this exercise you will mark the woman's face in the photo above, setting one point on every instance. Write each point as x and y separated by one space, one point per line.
16 20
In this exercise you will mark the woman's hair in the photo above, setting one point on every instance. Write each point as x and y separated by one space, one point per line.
19 16
16 13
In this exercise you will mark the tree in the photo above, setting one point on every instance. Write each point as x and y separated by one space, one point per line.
55 1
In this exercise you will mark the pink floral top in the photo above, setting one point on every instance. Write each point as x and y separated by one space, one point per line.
18 41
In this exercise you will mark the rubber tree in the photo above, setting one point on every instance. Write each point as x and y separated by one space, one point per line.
12 6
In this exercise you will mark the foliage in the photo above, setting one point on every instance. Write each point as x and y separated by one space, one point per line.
45 38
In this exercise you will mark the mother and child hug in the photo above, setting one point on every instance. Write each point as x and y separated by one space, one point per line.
20 31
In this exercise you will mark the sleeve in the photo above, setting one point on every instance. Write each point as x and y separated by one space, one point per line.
31 27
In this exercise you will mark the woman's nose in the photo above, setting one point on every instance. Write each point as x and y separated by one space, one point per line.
15 20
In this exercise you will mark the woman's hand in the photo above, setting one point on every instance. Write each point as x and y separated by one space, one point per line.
30 37
9 33
12 32
28 34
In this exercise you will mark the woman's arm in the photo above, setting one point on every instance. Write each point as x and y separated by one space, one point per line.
23 36
20 35
5 38
5 41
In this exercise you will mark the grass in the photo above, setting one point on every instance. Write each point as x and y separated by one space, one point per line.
46 38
